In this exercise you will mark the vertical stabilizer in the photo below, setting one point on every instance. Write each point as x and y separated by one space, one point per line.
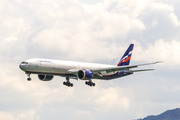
125 60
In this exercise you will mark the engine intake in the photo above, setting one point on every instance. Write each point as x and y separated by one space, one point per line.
45 77
85 74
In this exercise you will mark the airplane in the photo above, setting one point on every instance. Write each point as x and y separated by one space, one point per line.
48 68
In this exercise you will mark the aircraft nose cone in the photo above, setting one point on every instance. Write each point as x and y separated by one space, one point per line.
20 66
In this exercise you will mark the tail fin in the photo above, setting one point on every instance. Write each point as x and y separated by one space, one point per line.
125 60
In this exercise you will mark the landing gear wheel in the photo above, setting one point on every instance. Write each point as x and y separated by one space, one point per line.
64 83
29 79
90 83
68 83
86 83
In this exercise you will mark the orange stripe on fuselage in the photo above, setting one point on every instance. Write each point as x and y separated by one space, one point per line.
110 74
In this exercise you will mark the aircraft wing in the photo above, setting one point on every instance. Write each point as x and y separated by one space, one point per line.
117 68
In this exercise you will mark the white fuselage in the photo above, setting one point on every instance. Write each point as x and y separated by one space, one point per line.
58 67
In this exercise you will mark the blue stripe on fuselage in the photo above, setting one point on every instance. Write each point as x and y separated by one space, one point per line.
118 74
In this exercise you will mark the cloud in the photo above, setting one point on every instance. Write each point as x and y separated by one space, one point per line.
28 115
107 96
174 19
160 50
166 9
100 32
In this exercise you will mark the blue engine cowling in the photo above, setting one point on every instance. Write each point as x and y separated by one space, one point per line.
85 74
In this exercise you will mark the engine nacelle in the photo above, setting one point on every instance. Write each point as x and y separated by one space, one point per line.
45 77
85 74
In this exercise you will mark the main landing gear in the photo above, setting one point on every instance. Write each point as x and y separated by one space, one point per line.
90 83
29 78
67 83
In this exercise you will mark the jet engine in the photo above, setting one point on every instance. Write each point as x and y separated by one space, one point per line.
85 74
45 77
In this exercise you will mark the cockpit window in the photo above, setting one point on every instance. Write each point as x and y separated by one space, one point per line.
24 63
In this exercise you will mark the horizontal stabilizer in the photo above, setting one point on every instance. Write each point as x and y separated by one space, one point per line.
150 63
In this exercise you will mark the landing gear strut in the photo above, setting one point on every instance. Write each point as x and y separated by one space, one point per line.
67 83
29 78
90 83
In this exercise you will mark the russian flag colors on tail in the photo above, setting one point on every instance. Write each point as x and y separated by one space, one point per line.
125 60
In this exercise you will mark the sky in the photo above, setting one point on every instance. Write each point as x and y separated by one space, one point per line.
97 31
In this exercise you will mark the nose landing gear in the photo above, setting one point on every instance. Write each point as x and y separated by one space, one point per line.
29 78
